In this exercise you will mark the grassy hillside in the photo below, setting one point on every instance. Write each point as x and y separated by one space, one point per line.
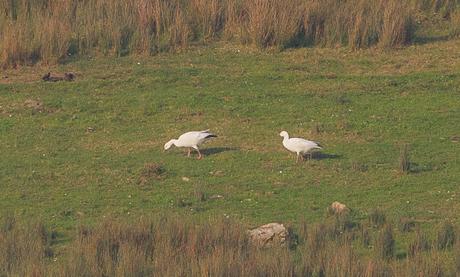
77 154
86 158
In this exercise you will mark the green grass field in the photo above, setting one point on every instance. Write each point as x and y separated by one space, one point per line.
362 106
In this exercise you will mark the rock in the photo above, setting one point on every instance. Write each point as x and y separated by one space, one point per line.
185 179
268 235
216 196
338 208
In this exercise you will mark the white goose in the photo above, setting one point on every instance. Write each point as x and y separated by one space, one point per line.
299 145
191 140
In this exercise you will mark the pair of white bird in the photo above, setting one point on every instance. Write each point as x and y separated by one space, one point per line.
194 139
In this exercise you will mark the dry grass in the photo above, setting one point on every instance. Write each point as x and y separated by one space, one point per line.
404 159
51 31
23 249
151 171
455 24
172 246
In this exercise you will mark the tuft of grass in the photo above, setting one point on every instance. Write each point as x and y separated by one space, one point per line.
359 166
419 244
406 224
404 159
377 218
446 236
8 222
183 202
385 244
398 24
200 194
151 171
455 24
365 236
457 256
24 248
316 129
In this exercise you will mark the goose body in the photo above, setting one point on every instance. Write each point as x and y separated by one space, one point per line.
299 146
191 140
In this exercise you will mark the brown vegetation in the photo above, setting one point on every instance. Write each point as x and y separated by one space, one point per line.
151 171
50 31
173 246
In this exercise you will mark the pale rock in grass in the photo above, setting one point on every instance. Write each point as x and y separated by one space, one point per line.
269 234
338 208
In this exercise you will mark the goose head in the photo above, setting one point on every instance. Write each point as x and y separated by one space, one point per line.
284 134
169 144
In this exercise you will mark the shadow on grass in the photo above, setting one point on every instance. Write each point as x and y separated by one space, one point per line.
430 39
418 168
217 150
322 156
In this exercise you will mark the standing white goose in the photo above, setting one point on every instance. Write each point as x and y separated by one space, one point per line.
191 140
299 145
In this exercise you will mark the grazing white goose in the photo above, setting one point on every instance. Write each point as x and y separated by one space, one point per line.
191 140
299 145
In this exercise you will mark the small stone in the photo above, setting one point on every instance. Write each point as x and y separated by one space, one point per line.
185 179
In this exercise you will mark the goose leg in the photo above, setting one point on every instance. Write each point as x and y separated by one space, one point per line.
199 154
297 160
188 153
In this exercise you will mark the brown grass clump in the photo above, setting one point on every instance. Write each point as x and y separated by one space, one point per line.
385 246
151 171
446 236
455 24
419 244
404 159
398 25
23 249
457 256
377 218
406 224
272 22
